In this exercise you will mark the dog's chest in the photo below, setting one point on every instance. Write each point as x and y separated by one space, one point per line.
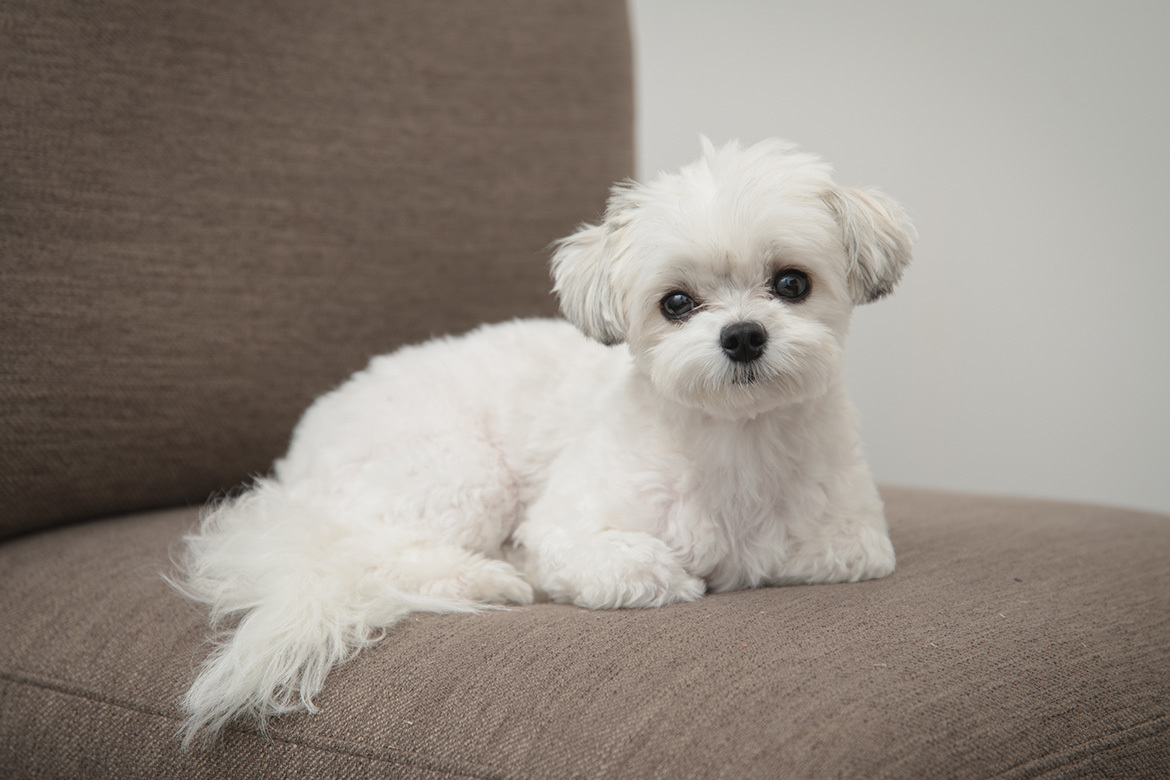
734 510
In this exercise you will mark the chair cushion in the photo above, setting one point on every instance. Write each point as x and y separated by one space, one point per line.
1017 639
211 212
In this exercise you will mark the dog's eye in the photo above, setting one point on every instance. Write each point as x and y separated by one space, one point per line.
677 305
791 285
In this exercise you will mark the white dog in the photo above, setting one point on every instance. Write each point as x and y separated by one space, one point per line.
716 450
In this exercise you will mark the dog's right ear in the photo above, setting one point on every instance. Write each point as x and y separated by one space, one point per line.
581 266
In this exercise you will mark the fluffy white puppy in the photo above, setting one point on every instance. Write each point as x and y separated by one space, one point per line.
715 450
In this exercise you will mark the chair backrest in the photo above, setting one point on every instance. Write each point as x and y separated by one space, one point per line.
212 211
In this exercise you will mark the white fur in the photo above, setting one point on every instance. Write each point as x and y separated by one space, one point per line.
525 460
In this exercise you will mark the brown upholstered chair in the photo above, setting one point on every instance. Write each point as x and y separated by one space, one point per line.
213 211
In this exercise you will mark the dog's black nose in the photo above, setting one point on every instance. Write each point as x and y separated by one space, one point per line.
744 341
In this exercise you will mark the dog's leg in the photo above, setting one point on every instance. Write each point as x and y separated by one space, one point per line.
849 542
843 552
441 570
605 569
588 537
581 544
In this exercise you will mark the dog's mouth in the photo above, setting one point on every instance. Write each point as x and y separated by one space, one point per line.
744 376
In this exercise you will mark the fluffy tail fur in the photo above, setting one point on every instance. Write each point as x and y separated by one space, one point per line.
292 593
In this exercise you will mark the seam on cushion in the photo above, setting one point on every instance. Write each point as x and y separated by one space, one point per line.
338 746
1086 750
1107 749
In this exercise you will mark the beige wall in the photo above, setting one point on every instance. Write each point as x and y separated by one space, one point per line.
1028 350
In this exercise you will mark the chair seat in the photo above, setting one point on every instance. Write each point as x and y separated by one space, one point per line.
1018 638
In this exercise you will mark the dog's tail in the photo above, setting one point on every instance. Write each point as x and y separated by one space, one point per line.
291 594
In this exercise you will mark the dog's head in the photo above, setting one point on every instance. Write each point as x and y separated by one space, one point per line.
733 280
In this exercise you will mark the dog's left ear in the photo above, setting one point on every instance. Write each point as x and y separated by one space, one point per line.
878 239
581 268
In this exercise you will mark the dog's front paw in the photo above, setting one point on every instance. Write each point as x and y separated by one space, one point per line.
615 569
864 555
872 558
481 579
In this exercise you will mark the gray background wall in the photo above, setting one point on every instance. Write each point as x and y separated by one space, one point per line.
1028 350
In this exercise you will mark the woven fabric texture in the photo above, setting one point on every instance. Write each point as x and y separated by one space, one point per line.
1018 639
212 211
